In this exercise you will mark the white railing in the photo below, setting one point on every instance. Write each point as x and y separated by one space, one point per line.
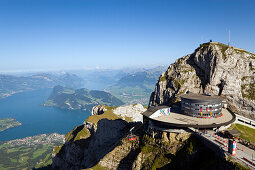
245 121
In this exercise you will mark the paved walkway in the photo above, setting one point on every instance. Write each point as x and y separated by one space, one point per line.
242 151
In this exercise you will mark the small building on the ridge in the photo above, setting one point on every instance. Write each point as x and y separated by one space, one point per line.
199 105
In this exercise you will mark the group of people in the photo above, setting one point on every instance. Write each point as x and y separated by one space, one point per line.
247 143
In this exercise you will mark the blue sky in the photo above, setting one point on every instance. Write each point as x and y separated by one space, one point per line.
76 34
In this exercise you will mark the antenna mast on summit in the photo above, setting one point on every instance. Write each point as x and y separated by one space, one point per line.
229 38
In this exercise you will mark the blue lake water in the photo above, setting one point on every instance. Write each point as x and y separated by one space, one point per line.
36 119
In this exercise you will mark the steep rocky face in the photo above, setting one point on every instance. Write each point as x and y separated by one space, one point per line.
84 147
213 68
165 151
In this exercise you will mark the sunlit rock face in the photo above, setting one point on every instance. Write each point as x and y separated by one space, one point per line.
132 111
213 68
85 146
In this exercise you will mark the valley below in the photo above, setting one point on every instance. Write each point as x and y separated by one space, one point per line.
30 152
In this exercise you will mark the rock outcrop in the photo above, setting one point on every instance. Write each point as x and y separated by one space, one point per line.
132 111
213 68
108 148
98 110
83 148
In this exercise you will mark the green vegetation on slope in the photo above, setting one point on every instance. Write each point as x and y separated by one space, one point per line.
108 114
80 99
7 123
156 155
25 156
162 78
78 133
247 133
248 91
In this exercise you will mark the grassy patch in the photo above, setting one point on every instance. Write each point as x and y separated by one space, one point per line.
176 83
242 51
247 133
107 114
128 119
56 149
160 161
83 134
147 148
25 156
154 152
162 78
40 151
248 91
224 48
98 167
79 132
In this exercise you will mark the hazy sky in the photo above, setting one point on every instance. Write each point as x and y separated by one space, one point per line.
51 34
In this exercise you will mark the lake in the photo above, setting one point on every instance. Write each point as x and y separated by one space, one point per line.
36 119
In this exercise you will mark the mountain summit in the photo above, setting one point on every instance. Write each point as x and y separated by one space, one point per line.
213 68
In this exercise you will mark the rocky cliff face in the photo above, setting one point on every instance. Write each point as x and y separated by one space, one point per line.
213 68
108 148
88 144
84 147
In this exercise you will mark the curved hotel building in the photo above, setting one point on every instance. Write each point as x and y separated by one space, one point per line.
194 111
198 105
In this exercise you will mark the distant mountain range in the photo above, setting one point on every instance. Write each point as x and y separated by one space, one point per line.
136 87
80 99
13 84
131 85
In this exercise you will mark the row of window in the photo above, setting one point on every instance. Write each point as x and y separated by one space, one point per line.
191 104
210 109
199 114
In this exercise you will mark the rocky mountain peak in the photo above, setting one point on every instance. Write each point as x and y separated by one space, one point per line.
213 68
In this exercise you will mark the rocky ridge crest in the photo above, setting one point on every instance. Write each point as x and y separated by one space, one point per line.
133 111
213 68
87 144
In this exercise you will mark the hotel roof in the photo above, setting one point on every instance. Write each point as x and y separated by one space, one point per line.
193 96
